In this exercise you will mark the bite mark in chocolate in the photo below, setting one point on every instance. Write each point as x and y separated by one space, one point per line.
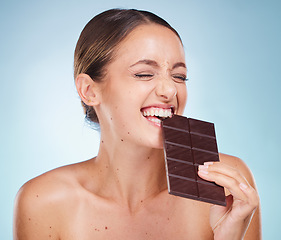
189 143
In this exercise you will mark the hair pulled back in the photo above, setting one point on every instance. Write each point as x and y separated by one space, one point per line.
99 38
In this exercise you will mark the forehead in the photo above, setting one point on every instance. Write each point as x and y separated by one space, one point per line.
152 28
149 41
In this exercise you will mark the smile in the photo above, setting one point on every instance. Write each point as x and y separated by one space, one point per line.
156 114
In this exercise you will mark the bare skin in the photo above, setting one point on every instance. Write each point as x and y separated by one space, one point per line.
122 193
63 204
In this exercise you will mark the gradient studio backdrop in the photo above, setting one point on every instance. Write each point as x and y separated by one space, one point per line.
233 53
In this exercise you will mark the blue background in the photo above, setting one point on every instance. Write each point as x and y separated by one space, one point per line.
233 55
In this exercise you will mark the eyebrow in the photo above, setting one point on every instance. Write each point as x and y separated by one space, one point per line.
147 62
179 64
155 64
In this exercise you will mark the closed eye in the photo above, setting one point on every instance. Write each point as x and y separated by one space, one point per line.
180 78
143 76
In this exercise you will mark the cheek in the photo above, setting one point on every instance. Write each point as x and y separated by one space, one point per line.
182 98
125 104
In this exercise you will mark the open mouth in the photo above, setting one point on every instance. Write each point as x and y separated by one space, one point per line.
157 114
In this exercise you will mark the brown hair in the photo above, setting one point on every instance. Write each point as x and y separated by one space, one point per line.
99 38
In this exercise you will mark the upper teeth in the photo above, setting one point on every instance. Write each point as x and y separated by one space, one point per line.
158 112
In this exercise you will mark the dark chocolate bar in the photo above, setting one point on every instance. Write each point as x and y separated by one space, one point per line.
189 143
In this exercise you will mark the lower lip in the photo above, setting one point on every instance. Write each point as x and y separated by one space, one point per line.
154 120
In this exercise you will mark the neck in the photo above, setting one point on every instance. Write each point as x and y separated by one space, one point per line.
130 175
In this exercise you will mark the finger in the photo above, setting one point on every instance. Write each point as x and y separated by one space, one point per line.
245 195
252 198
229 182
232 184
227 170
245 208
251 194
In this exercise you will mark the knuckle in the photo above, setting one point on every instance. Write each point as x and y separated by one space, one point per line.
232 182
236 174
254 201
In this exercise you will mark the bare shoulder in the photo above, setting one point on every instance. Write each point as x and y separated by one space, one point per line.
50 185
240 165
254 230
41 202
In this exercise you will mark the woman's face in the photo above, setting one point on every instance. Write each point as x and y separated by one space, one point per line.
145 80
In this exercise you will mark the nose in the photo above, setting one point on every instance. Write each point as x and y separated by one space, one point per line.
166 89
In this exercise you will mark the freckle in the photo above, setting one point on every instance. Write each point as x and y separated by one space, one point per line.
146 233
50 236
128 132
106 166
147 157
141 201
122 140
29 219
168 219
50 226
100 170
101 141
37 195
110 118
117 169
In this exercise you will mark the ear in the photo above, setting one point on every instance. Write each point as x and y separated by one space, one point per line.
87 89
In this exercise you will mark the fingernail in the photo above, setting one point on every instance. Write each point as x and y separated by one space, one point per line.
208 163
203 169
243 186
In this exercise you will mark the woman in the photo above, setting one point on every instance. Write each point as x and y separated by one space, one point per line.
129 64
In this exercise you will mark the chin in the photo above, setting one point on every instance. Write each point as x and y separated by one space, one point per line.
157 145
154 145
